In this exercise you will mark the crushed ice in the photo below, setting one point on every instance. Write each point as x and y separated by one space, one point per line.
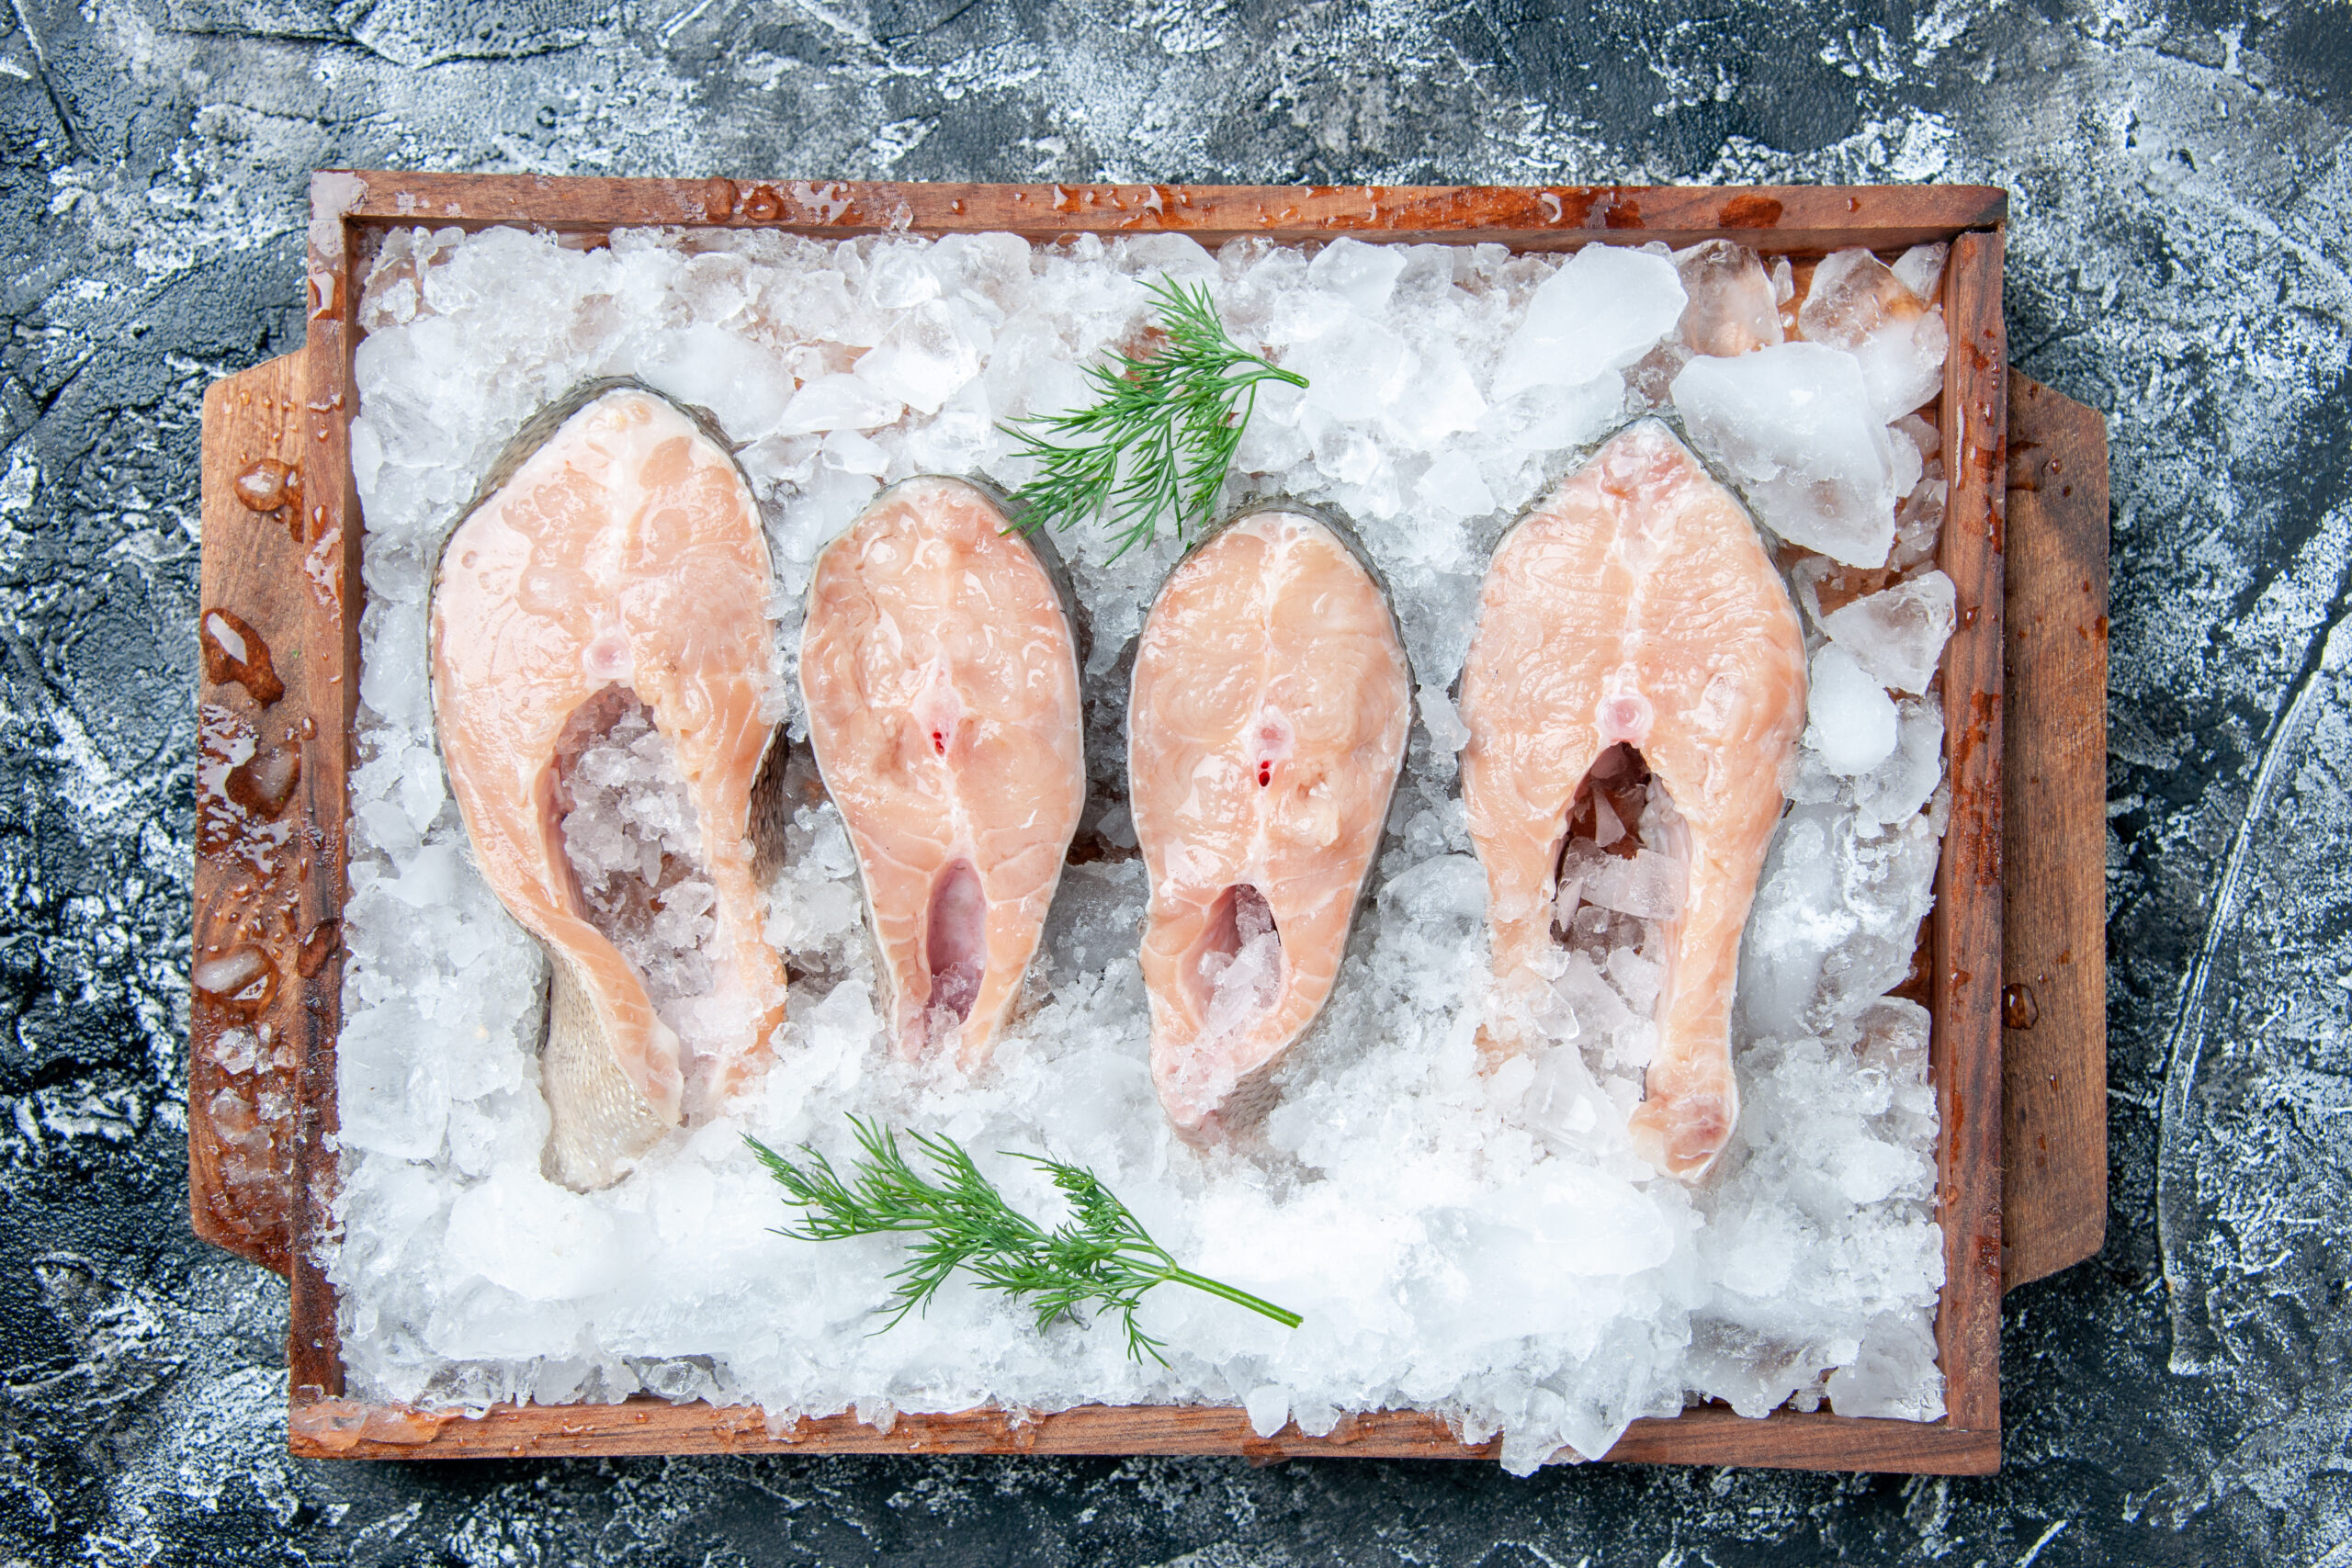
1479 1243
629 830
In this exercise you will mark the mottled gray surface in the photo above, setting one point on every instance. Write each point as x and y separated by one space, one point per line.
2181 202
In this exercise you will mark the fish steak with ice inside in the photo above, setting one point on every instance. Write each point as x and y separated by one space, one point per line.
1266 728
940 668
603 691
1635 608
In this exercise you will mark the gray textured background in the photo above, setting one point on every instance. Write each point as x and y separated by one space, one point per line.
2179 258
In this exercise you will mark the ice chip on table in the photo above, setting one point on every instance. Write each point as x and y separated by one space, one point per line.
1849 719
1360 274
1733 306
839 401
1601 311
1896 635
1856 303
1794 424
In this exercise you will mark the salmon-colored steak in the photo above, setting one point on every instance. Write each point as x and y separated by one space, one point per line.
1635 608
1266 728
617 586
940 668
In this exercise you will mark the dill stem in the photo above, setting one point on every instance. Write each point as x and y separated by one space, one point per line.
1262 1307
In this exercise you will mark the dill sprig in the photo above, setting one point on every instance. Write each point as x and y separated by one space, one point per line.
1100 1257
1160 434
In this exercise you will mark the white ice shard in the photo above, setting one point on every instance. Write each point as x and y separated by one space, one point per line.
1849 719
1600 312
1858 304
1794 424
1898 635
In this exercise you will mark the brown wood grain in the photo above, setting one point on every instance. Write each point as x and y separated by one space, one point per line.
248 893
2053 1091
1965 932
1706 1434
1801 219
313 1349
1965 985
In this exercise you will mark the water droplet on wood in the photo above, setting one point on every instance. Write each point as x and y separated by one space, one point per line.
265 782
234 651
2018 1009
244 979
317 947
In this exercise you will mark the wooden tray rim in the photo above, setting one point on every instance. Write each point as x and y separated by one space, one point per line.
348 207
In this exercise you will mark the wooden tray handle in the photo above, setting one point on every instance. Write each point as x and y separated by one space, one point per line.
2053 838
256 939
240 1078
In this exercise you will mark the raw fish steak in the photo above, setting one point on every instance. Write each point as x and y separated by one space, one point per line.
1636 606
616 581
1265 731
940 666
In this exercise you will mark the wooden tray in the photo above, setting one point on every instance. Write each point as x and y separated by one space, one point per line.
279 635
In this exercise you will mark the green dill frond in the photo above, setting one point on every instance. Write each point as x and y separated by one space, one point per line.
1159 435
1100 1258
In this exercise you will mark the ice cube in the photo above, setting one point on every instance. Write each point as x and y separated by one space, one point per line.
1835 919
927 358
1894 1374
1856 303
1444 722
1918 524
1649 886
899 278
1921 269
1442 400
1547 419
1898 635
1849 719
1794 424
1269 1409
390 1095
1173 255
1360 274
1901 785
1601 311
838 401
1356 371
709 367
1732 308
854 452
